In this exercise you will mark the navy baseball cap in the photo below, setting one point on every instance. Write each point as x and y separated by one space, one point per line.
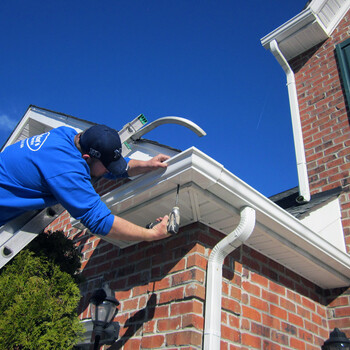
103 143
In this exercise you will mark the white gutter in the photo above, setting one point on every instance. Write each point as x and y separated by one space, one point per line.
212 328
304 189
277 234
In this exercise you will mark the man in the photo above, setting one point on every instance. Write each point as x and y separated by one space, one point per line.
57 167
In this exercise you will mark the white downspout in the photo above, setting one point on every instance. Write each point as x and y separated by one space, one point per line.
212 327
304 189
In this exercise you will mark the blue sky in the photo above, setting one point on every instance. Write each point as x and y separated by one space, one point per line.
107 61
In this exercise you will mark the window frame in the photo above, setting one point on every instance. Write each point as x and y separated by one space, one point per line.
343 58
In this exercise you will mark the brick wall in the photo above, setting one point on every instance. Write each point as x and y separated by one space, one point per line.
325 118
161 289
325 123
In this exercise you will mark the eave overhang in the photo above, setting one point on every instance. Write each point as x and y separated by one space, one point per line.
37 120
210 194
310 27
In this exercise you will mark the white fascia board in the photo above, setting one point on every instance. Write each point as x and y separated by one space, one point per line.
293 244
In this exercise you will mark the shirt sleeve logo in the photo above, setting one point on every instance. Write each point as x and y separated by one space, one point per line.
34 143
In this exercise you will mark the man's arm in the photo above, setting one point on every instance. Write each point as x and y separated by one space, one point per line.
137 167
127 231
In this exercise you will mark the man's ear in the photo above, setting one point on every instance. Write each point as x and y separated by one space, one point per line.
86 157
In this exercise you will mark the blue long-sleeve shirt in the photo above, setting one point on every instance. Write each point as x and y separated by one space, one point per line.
48 169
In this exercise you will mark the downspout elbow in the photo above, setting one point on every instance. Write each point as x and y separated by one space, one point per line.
212 333
235 238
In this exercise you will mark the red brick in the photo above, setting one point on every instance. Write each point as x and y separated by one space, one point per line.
143 300
169 324
129 304
279 338
223 345
311 327
149 327
197 248
230 334
193 320
256 278
261 330
235 292
343 311
245 324
186 307
234 321
278 312
251 288
268 345
197 260
231 305
153 341
276 288
251 340
164 283
307 336
225 287
303 312
172 295
184 338
259 304
161 311
272 322
287 304
139 290
188 275
132 344
179 266
251 313
316 319
295 320
195 290
297 344
270 297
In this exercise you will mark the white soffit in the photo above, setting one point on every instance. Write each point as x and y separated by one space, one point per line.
38 120
309 28
213 196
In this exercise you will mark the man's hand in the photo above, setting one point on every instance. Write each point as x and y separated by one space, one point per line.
158 161
137 167
127 231
160 230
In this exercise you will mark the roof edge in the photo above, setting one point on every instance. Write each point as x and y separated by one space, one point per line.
216 181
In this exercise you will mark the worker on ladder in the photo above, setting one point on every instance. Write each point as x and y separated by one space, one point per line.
58 167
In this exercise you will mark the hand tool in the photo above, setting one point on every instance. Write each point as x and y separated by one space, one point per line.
174 217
